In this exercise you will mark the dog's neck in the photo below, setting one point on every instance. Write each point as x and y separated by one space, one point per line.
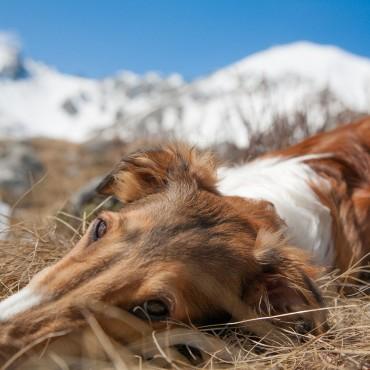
285 182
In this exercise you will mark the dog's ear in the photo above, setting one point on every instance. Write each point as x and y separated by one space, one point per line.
151 171
285 284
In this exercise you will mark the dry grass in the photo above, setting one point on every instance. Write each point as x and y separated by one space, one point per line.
345 346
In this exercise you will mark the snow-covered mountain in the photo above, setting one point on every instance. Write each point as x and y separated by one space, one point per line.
230 105
41 101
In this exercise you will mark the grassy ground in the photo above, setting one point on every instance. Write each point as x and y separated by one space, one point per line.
345 346
41 233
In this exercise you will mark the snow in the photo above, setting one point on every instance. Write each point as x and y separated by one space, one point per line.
227 106
327 66
36 103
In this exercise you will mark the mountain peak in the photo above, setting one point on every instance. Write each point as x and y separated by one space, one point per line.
11 64
322 66
304 58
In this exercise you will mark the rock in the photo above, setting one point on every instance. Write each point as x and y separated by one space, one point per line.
85 195
20 168
5 212
86 200
70 107
11 62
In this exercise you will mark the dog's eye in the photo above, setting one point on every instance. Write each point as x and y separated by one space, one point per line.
99 229
152 310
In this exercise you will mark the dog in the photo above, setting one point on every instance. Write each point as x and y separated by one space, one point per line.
196 242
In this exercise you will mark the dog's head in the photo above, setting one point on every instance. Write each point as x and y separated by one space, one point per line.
178 250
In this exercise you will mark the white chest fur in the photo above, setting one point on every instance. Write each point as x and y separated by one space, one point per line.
285 183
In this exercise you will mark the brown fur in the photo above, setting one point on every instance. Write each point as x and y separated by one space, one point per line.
207 255
347 168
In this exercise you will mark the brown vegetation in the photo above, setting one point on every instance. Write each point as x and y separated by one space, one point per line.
345 346
42 231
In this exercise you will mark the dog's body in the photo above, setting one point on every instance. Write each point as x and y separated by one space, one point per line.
320 188
194 242
285 182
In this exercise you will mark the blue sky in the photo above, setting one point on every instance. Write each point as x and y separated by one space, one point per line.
192 37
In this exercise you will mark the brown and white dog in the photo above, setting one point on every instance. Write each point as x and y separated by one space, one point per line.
198 243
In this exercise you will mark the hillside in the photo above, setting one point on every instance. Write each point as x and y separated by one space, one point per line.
316 84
